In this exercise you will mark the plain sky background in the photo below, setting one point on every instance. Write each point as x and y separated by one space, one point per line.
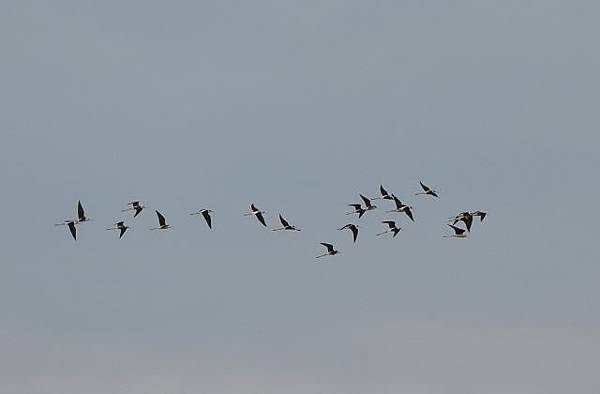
298 107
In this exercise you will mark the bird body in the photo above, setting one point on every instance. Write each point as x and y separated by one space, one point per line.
206 214
427 191
285 225
330 250
384 194
135 206
258 214
351 227
392 228
400 207
121 227
162 223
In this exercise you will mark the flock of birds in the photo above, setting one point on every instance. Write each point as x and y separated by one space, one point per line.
358 209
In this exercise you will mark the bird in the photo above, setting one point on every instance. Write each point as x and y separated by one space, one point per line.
427 190
121 227
81 214
384 194
458 232
353 228
481 215
206 214
400 207
135 206
464 217
330 250
162 223
258 213
71 223
392 228
286 225
357 209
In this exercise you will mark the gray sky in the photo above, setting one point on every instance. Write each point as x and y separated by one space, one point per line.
299 107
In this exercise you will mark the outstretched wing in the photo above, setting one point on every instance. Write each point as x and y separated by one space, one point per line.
73 230
425 187
397 201
138 209
366 200
383 192
457 230
261 219
123 229
354 232
391 224
80 211
284 222
206 215
328 246
161 219
409 213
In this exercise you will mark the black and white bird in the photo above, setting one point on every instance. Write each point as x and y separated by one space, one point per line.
392 228
330 250
258 213
351 227
400 207
206 214
285 225
464 217
359 209
384 194
71 223
162 223
134 206
81 218
480 214
121 227
427 191
458 232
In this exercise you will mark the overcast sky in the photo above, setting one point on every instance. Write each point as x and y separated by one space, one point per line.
298 107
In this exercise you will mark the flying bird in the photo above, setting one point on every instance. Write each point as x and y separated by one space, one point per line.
258 213
353 228
481 215
400 207
285 225
392 228
384 194
206 214
464 217
330 250
427 191
162 223
458 232
135 206
121 227
81 214
357 209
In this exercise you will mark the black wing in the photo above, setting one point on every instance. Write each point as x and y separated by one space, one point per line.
366 200
354 232
328 246
468 220
383 192
408 212
80 211
73 230
161 219
253 208
434 194
425 187
261 219
398 202
138 209
135 204
357 207
123 229
457 230
284 222
206 215
119 224
391 224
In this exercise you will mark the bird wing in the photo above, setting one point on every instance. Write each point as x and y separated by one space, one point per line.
284 222
357 207
425 187
73 230
138 209
383 191
328 246
391 224
434 194
457 230
398 202
253 208
366 200
161 219
207 217
119 224
261 219
80 211
468 220
345 227
354 232
135 204
123 229
408 212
